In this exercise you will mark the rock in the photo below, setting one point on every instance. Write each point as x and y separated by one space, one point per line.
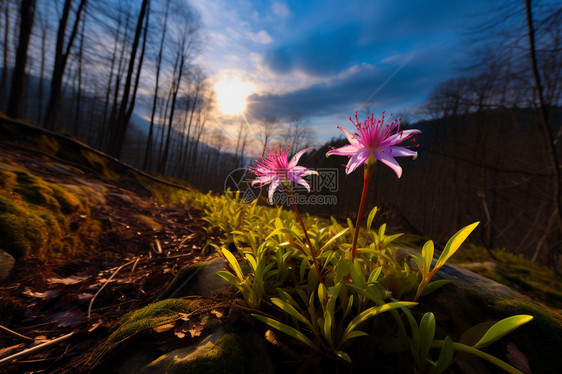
7 263
221 352
199 279
471 299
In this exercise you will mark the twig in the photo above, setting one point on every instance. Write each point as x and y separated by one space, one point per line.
35 349
15 333
105 284
135 265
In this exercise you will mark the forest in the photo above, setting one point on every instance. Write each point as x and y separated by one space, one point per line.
137 234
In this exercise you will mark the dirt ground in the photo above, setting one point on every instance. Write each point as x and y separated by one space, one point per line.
141 247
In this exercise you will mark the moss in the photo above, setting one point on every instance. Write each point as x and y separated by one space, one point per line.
218 353
68 202
12 235
34 217
151 316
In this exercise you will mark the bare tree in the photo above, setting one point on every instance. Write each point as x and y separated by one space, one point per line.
298 133
127 102
27 12
63 47
269 130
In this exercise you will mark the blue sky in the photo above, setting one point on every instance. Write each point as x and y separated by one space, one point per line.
326 59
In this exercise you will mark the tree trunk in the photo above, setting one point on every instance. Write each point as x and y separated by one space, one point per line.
27 11
127 104
62 52
544 125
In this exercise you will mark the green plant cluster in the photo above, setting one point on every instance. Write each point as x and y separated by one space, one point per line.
35 216
332 304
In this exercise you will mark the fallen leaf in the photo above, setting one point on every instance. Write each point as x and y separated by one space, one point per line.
195 330
164 328
74 279
217 313
517 358
47 295
69 318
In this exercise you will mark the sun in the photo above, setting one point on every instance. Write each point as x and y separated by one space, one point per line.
232 94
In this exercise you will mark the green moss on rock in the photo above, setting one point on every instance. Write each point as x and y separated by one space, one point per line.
218 353
35 214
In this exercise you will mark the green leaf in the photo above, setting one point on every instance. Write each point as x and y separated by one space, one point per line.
322 294
427 333
435 285
344 356
332 239
375 274
233 263
292 332
445 356
501 328
453 245
373 311
382 230
227 276
475 333
328 322
427 255
371 217
253 263
334 293
302 269
288 298
289 309
355 334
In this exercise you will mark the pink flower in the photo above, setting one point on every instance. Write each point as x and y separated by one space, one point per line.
375 138
275 169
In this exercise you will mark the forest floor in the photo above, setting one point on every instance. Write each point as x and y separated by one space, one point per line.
140 247
143 237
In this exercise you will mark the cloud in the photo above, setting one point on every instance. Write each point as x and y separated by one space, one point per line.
361 86
261 37
280 9
321 53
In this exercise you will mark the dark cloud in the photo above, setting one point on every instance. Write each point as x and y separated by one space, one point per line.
320 53
358 89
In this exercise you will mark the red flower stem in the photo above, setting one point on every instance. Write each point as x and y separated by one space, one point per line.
366 180
314 260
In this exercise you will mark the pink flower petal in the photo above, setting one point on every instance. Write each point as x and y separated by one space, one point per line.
390 162
302 182
276 182
297 157
399 137
350 138
401 152
346 150
356 160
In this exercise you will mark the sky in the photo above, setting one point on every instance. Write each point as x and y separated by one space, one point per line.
326 59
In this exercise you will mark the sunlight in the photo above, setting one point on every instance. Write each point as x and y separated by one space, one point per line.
232 94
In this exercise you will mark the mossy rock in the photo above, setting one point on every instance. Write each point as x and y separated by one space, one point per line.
34 216
7 262
199 279
218 353
472 299
153 315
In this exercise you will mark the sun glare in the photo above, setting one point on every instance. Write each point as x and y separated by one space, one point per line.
232 94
